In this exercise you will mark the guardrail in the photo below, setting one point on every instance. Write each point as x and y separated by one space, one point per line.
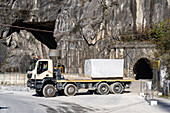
149 92
13 79
146 89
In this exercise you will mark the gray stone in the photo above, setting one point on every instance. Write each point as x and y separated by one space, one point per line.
22 47
3 53
84 29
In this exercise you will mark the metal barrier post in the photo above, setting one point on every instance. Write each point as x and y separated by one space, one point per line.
167 87
16 80
140 86
24 79
10 80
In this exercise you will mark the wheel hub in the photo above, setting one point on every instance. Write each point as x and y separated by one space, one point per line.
117 88
103 88
71 90
50 91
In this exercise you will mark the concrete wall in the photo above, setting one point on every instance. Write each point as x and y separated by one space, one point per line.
13 79
75 52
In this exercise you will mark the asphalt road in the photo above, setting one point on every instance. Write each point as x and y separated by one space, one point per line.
29 102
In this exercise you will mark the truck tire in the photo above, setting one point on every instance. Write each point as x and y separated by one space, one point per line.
103 89
49 90
70 90
39 92
116 88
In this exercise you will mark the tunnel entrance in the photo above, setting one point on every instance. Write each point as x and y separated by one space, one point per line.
142 69
44 37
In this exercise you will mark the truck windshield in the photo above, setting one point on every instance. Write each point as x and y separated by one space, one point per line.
32 65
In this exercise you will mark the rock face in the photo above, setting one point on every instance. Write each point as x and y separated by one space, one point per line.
100 23
3 53
29 10
21 48
83 28
36 11
97 19
94 18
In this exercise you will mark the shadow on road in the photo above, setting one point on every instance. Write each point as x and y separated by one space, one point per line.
1 108
35 95
126 92
123 107
84 93
163 105
66 107
79 93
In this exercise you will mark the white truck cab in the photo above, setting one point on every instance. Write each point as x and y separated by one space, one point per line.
40 69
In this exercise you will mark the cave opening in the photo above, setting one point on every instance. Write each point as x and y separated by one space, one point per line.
44 37
143 69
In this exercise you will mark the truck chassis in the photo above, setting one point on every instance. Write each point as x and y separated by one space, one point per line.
49 86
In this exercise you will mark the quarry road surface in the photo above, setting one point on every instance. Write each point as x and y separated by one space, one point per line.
29 102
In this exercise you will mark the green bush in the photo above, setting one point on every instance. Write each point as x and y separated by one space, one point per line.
160 35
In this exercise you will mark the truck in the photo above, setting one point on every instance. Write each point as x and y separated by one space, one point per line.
102 76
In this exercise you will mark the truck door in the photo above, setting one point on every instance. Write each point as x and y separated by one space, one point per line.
43 70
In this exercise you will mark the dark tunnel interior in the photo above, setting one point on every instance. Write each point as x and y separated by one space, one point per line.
142 69
44 37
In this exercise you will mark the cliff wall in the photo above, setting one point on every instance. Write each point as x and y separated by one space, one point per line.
88 26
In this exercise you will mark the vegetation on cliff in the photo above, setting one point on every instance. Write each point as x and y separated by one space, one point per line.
160 33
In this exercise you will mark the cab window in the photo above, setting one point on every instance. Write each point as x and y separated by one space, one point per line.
42 67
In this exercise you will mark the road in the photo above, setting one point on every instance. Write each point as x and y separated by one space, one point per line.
29 102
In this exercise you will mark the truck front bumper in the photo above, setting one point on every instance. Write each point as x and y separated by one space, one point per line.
35 84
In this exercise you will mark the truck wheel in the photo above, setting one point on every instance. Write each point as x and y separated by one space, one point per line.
39 92
116 88
49 90
70 90
103 89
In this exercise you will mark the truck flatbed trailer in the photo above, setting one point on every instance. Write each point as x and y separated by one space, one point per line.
100 80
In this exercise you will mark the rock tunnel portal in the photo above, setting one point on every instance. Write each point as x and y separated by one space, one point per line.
142 69
44 37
